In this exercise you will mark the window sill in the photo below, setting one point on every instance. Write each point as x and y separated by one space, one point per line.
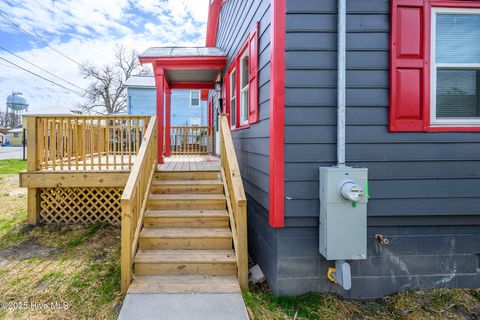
244 126
453 129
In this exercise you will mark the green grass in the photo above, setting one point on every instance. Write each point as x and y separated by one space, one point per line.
12 166
82 236
439 304
78 265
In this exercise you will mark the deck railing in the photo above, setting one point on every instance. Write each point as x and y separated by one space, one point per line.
189 140
236 200
134 200
85 142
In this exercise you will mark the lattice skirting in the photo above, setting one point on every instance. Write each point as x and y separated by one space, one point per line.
80 205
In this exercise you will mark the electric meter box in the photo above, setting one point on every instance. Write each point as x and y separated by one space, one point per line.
343 213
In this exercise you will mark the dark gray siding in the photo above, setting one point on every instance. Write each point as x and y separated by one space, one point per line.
422 185
237 20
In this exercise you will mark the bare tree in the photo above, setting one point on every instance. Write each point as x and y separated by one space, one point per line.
9 120
106 93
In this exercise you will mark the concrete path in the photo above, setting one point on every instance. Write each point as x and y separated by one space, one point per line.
174 306
11 152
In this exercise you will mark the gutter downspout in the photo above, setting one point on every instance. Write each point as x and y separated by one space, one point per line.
341 82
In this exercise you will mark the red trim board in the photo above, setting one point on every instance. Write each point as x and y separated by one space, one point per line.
212 22
277 115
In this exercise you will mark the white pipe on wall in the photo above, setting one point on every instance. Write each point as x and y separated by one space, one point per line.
341 82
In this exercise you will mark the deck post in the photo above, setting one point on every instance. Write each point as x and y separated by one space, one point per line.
33 199
168 100
160 83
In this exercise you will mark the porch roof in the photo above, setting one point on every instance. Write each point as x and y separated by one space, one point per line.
186 67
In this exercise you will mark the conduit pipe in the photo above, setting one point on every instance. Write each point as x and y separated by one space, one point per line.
341 82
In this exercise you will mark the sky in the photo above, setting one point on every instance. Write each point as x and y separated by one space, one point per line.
85 30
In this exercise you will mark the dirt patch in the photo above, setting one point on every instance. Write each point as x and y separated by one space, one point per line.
18 192
11 179
28 249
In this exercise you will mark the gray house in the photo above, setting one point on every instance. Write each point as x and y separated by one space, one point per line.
356 125
392 87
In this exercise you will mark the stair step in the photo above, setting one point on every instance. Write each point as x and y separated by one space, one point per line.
187 201
184 284
186 186
185 238
185 262
186 219
187 175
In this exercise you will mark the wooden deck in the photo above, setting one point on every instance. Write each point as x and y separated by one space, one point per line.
112 163
190 163
182 219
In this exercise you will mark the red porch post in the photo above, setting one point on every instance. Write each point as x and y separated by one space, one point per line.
168 100
160 83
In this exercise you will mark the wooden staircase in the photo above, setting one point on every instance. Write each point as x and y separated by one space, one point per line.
186 243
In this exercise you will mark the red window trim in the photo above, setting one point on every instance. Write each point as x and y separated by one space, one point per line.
232 67
235 65
421 62
242 51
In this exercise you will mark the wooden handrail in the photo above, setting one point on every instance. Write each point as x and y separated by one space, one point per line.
79 142
236 200
134 200
187 141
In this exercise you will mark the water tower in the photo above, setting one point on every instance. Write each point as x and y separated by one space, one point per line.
16 105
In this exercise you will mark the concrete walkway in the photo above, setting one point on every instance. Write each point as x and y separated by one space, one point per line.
174 306
11 152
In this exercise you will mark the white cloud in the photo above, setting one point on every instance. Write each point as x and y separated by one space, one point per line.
94 28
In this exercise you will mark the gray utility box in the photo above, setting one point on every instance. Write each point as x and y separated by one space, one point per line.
343 213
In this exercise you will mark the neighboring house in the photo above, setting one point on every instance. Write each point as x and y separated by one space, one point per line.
3 135
412 118
188 109
15 137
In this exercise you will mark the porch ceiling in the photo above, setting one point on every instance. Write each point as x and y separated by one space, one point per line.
207 75
186 66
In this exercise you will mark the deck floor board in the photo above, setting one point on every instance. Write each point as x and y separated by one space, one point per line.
190 163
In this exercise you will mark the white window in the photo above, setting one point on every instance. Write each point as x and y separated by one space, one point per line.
195 98
244 88
233 98
455 67
195 122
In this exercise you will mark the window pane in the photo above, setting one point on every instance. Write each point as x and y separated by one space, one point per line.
233 84
244 68
195 98
244 107
458 38
458 93
232 112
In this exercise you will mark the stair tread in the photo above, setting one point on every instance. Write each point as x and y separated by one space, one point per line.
184 256
186 233
187 196
180 182
184 284
152 213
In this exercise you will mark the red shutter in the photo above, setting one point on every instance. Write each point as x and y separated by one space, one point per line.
253 76
409 58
